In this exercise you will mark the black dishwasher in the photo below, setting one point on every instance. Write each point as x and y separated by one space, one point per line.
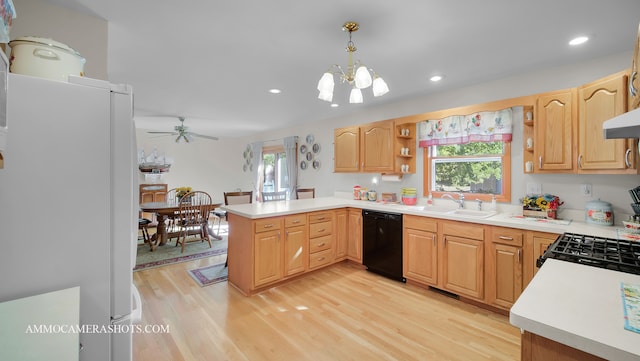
382 243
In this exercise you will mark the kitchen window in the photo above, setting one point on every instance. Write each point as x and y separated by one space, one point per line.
468 154
479 169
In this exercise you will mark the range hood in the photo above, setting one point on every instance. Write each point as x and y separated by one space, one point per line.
626 125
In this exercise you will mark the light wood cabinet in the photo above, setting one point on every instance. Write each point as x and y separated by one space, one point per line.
341 234
321 239
535 245
354 235
152 193
365 148
420 249
296 253
599 101
538 348
504 262
462 256
568 130
554 144
268 249
346 143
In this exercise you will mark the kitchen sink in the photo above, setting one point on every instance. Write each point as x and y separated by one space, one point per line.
468 213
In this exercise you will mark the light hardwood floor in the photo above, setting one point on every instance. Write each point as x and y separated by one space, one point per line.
340 313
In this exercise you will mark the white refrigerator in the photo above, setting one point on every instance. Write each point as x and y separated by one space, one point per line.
69 203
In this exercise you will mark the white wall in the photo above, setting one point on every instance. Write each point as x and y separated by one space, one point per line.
612 188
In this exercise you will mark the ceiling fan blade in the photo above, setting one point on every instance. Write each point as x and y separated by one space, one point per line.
204 136
170 133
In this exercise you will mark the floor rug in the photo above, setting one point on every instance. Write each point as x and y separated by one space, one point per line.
209 275
169 253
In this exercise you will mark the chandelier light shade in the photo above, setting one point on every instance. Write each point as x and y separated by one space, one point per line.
357 75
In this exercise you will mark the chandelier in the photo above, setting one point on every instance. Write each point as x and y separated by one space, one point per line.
357 74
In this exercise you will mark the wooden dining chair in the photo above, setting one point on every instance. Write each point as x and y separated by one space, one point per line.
193 217
274 196
304 193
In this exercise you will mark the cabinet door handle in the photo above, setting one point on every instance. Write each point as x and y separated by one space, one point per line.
286 234
321 259
278 235
321 230
268 226
506 238
540 162
580 161
433 237
626 158
320 244
444 241
320 218
296 221
519 255
633 89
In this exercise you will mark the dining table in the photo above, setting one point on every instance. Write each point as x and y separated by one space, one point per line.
168 210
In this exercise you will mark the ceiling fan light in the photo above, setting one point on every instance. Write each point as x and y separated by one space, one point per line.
356 96
325 84
380 87
362 77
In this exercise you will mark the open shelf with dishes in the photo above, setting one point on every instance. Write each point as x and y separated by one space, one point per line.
528 140
405 148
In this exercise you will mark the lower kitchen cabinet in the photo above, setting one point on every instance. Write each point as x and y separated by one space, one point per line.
462 255
504 269
420 249
342 234
268 249
354 235
321 239
295 244
535 245
538 348
463 266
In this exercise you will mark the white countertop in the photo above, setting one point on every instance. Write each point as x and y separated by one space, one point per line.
579 306
280 208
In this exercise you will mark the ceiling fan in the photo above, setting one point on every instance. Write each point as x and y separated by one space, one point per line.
183 133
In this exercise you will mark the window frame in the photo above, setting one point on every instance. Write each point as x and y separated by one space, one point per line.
505 195
271 149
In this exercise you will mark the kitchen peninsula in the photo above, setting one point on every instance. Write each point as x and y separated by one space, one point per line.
275 242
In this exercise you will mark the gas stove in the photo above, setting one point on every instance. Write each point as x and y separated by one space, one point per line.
609 253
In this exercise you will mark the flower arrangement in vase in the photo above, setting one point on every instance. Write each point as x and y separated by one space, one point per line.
182 191
541 206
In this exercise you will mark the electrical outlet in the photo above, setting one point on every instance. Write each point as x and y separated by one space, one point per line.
585 190
534 188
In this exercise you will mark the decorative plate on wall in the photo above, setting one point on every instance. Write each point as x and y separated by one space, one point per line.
310 139
303 149
309 156
303 165
316 164
316 148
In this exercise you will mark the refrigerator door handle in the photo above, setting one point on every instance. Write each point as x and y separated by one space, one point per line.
136 313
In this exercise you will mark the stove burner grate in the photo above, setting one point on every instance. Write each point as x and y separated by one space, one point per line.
619 255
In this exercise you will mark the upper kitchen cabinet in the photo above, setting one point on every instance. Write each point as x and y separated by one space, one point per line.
346 143
599 101
633 101
554 127
568 130
366 148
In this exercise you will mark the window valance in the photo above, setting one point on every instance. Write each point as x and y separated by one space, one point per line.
460 129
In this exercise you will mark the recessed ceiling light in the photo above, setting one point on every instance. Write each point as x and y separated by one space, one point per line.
579 40
334 105
436 78
275 91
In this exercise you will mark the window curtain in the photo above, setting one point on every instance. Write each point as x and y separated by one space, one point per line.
290 150
461 129
256 162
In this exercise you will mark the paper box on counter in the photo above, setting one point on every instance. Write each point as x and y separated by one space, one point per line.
541 206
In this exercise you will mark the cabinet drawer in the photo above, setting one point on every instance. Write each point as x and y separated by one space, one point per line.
508 236
320 229
320 243
316 217
267 224
421 223
295 220
466 230
321 258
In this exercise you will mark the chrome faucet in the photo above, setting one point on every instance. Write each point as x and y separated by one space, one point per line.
460 200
